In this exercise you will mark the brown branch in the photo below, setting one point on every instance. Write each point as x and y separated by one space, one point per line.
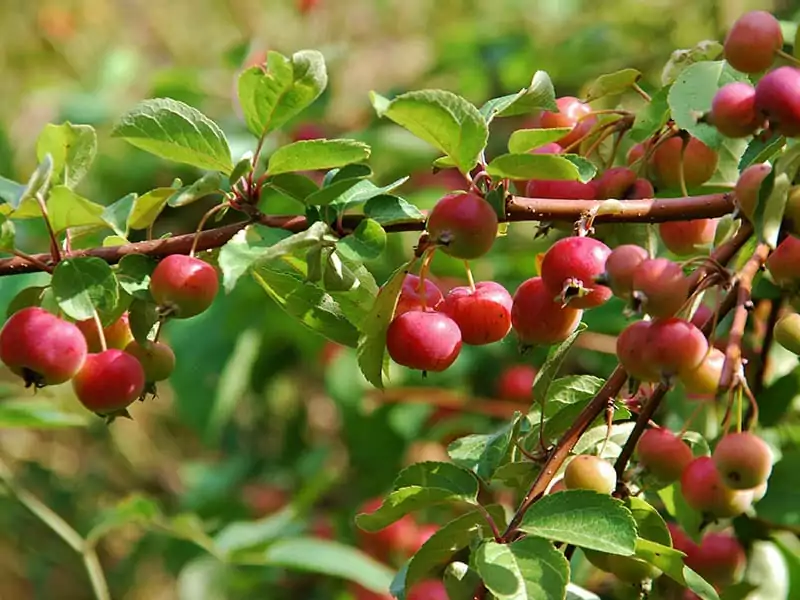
762 367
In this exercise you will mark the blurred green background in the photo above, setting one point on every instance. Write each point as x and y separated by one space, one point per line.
262 412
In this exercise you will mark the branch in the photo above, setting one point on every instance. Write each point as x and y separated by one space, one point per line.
766 344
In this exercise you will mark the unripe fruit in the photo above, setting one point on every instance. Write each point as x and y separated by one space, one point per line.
733 110
664 454
537 318
630 344
748 186
616 183
109 382
157 359
778 99
752 41
561 189
571 266
704 380
464 224
787 332
674 346
41 348
704 491
784 263
688 237
744 460
516 383
719 559
620 265
184 285
482 314
117 335
411 297
587 472
424 340
699 163
572 113
661 286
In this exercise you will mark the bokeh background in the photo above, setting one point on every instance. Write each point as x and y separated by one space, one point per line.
261 412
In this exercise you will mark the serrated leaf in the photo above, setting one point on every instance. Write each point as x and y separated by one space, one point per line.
271 97
612 84
539 95
443 475
147 207
484 453
293 185
443 119
67 209
362 192
72 147
85 284
761 150
524 140
32 413
175 131
208 184
584 518
538 166
571 389
117 214
387 210
310 155
706 50
527 569
555 358
133 274
365 243
7 234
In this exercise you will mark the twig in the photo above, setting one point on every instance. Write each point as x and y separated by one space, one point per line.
766 344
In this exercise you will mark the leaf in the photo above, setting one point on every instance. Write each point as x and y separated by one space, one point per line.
571 389
293 185
524 140
773 195
652 117
175 131
372 341
7 234
85 284
539 166
241 168
583 518
117 214
72 147
336 275
32 413
781 504
706 50
142 316
760 150
11 192
270 98
37 183
133 510
147 207
551 367
361 192
365 243
539 95
612 84
460 581
310 155
689 519
528 569
67 209
133 274
388 210
446 121
205 186
484 453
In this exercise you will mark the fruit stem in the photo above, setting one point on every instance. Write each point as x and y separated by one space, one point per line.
423 273
470 279
739 411
101 335
700 406
209 213
786 56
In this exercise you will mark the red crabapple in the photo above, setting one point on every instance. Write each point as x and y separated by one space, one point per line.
704 490
664 454
636 153
109 382
674 346
482 314
787 332
620 265
427 589
587 472
398 537
699 163
640 190
744 460
41 348
411 296
661 286
752 41
702 313
570 268
630 345
571 113
157 359
561 189
464 224
778 99
184 285
688 237
748 186
424 340
784 263
117 335
615 182
719 559
548 148
537 318
733 110
704 380
516 383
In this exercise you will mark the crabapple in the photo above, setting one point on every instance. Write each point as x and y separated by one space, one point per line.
184 285
587 472
571 266
719 558
548 148
688 237
537 318
620 266
664 454
704 380
561 189
641 189
778 99
752 41
615 182
41 348
701 314
109 381
699 162
117 335
427 589
744 460
748 186
464 224
157 359
704 490
571 113
661 286
674 346
637 152
516 382
681 541
784 262
630 343
413 298
787 332
733 110
425 340
483 314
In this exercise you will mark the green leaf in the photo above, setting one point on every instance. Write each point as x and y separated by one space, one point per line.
255 242
372 341
142 316
11 192
706 50
293 185
29 296
450 539
772 198
404 501
7 234
539 166
133 510
387 210
569 390
612 84
310 155
241 168
760 150
583 518
205 186
117 214
524 140
85 284
551 367
455 479
336 275
67 209
781 504
133 274
652 117
460 581
365 243
240 539
31 413
175 131
484 453
37 183
147 207
539 95
270 98
443 119
361 192
528 569
73 148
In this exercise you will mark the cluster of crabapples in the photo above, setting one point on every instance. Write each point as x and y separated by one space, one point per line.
108 368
